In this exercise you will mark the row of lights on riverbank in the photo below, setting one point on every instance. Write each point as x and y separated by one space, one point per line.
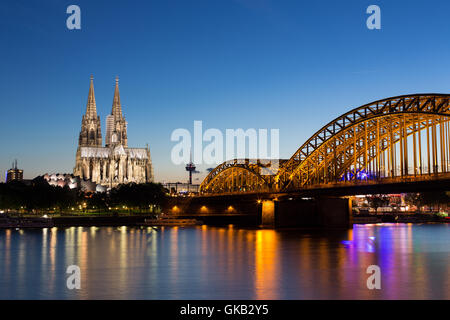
203 209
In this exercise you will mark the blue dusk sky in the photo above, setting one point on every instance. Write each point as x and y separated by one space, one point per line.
288 65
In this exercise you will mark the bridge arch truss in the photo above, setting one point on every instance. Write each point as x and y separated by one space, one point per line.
238 175
403 137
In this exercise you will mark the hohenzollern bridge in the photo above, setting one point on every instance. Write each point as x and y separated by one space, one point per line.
398 144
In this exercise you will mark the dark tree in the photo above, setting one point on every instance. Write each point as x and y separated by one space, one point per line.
140 196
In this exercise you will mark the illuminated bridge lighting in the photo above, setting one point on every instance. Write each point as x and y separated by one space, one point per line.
404 138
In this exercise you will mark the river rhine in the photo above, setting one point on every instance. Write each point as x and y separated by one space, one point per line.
226 263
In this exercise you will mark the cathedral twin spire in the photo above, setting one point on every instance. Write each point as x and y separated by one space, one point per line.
91 107
116 126
116 107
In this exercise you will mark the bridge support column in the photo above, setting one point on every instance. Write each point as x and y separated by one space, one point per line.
268 214
334 212
322 212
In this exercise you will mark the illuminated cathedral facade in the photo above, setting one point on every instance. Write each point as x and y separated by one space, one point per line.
115 163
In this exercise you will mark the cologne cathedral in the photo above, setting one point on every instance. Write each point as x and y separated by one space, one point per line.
115 163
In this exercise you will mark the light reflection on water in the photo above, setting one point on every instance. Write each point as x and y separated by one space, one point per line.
226 263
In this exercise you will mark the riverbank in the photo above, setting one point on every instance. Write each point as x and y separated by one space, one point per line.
217 220
399 218
128 220
73 221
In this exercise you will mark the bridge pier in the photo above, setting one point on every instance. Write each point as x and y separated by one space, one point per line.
268 213
322 212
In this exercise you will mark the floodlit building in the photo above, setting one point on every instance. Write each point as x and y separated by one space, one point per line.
14 174
115 163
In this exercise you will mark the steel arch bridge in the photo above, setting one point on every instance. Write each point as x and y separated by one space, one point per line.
239 175
394 139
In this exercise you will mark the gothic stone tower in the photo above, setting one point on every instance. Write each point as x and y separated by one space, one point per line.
116 126
115 163
91 131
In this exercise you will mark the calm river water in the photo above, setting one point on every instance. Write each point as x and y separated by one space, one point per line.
226 263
